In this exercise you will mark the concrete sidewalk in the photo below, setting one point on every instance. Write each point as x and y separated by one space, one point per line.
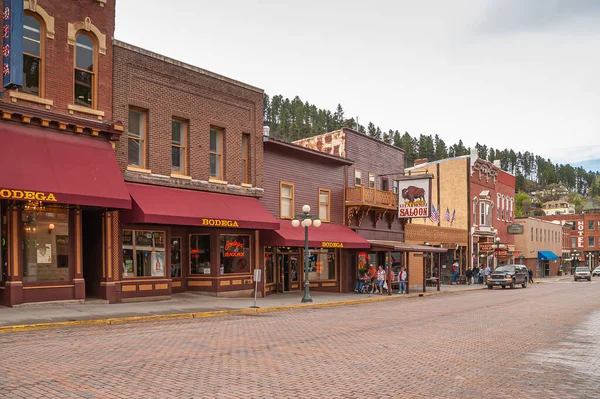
192 305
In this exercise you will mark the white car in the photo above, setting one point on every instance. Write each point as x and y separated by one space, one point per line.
596 272
582 273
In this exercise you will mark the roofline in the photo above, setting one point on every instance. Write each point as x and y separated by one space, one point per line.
184 65
357 132
296 147
438 161
532 218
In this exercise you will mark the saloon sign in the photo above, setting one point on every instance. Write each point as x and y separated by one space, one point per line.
414 198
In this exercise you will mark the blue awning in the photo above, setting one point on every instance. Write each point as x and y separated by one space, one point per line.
547 255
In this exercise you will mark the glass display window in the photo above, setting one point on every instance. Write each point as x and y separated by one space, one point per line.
235 254
143 253
200 254
45 242
175 257
321 264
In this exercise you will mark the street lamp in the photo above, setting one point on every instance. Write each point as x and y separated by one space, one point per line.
306 220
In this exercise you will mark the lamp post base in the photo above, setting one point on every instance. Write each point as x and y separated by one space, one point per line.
306 298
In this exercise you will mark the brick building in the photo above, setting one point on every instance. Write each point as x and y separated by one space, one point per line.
591 225
60 183
193 161
296 176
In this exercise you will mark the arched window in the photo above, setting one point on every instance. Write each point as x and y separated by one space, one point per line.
33 42
85 71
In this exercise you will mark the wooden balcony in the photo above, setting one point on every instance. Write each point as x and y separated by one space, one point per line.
364 196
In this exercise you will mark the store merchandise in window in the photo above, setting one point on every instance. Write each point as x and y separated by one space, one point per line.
143 253
175 257
45 242
321 264
235 254
199 254
269 265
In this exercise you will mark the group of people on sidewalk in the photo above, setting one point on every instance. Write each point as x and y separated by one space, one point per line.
481 275
375 280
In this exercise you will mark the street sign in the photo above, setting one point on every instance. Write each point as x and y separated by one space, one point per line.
257 275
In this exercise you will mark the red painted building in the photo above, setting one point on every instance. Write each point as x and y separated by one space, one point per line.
60 184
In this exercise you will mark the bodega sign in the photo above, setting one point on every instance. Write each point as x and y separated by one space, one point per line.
220 223
328 244
26 195
414 198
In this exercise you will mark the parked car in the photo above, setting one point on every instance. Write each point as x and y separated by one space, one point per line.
582 273
508 276
596 272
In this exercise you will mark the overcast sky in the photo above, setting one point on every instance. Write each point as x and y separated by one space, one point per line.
521 74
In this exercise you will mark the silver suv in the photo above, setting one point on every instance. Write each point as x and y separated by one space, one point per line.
582 273
508 276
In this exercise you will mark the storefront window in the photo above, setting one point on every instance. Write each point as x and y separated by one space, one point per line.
3 241
321 264
199 254
235 254
269 265
143 253
175 257
45 243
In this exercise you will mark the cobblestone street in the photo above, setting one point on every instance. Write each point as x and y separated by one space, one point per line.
539 342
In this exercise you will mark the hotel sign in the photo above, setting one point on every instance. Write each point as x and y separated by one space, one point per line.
414 198
12 44
26 195
327 244
220 223
516 229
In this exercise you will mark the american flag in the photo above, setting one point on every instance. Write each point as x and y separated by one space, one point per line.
435 215
447 215
453 217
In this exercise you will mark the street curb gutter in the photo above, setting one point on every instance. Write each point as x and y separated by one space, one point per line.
217 313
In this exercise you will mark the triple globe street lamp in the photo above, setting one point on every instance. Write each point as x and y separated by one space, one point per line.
306 220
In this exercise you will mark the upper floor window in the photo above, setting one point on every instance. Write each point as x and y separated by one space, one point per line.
178 146
590 241
85 71
324 204
357 177
485 213
372 180
590 225
498 209
396 190
573 242
136 137
32 55
385 186
532 234
216 152
286 198
246 158
475 201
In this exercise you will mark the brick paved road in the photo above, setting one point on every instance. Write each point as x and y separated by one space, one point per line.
540 343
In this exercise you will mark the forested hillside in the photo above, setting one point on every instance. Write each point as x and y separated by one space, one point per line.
294 119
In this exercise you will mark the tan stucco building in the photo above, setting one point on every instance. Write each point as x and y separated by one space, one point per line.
540 246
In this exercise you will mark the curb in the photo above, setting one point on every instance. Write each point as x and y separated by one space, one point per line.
216 313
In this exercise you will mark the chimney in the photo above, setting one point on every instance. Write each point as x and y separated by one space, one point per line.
420 161
266 130
497 163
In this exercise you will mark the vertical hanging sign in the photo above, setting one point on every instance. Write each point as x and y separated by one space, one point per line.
12 44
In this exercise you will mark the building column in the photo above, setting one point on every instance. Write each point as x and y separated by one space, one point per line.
110 255
78 280
13 286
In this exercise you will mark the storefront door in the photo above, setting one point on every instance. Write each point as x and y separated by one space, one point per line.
288 267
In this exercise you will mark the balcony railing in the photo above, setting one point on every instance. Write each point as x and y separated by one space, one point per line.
362 195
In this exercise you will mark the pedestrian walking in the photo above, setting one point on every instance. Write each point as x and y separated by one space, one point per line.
380 279
486 274
402 281
530 273
455 268
475 275
468 275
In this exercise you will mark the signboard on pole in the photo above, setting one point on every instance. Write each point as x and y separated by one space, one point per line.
414 198
12 44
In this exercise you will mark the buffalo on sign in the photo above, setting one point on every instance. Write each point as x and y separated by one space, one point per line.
414 198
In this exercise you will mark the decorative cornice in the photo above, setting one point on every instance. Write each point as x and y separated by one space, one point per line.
485 169
43 118
87 26
32 5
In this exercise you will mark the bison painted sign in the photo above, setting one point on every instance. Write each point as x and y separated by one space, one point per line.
415 198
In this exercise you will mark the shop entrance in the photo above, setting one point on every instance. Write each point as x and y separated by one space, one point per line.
288 271
91 231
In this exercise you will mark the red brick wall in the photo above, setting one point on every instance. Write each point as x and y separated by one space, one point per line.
59 56
168 88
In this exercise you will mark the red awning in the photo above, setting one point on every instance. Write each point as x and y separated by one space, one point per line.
53 166
326 235
164 205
